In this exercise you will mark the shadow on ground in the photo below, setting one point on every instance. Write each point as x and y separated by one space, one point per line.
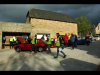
76 65
93 49
24 61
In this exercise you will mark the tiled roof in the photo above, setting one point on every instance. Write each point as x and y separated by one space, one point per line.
49 15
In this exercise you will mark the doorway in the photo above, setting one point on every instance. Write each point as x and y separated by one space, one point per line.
7 35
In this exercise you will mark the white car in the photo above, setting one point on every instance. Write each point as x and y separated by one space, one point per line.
96 37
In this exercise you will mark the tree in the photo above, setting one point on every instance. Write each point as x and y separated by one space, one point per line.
83 24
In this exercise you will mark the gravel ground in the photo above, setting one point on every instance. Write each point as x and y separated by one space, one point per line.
82 58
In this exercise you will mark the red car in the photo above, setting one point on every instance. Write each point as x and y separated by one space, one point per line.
24 45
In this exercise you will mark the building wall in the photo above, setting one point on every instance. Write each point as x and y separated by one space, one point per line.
98 30
13 27
52 27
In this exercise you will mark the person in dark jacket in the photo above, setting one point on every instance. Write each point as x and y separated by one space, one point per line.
29 39
69 39
58 44
42 37
72 40
75 40
87 39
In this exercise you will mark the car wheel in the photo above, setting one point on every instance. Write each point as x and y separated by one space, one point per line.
18 49
40 49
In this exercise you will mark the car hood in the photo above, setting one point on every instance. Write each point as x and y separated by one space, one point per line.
21 39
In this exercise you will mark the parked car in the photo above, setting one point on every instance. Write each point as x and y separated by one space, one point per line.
91 38
96 38
24 45
81 40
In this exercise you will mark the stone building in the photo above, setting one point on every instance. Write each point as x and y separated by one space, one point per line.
48 22
13 29
39 22
95 29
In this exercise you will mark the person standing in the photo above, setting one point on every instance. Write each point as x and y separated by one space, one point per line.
46 37
4 42
16 41
42 37
72 41
69 39
29 39
58 44
87 39
75 40
65 38
48 44
11 40
34 42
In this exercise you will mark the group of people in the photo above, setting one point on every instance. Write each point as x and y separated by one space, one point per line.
11 40
66 38
58 44
35 41
70 39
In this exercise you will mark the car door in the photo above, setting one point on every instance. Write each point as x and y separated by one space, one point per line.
79 41
28 46
55 42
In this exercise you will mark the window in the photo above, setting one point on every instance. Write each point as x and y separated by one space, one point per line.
98 27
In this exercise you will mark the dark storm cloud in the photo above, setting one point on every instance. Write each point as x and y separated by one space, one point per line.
17 12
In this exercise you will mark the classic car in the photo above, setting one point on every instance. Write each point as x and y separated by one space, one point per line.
24 45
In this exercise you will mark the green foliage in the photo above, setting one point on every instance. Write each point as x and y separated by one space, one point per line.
83 24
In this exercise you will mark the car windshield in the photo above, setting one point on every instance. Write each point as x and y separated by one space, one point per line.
81 37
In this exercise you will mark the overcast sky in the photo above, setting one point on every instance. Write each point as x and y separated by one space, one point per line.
17 12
